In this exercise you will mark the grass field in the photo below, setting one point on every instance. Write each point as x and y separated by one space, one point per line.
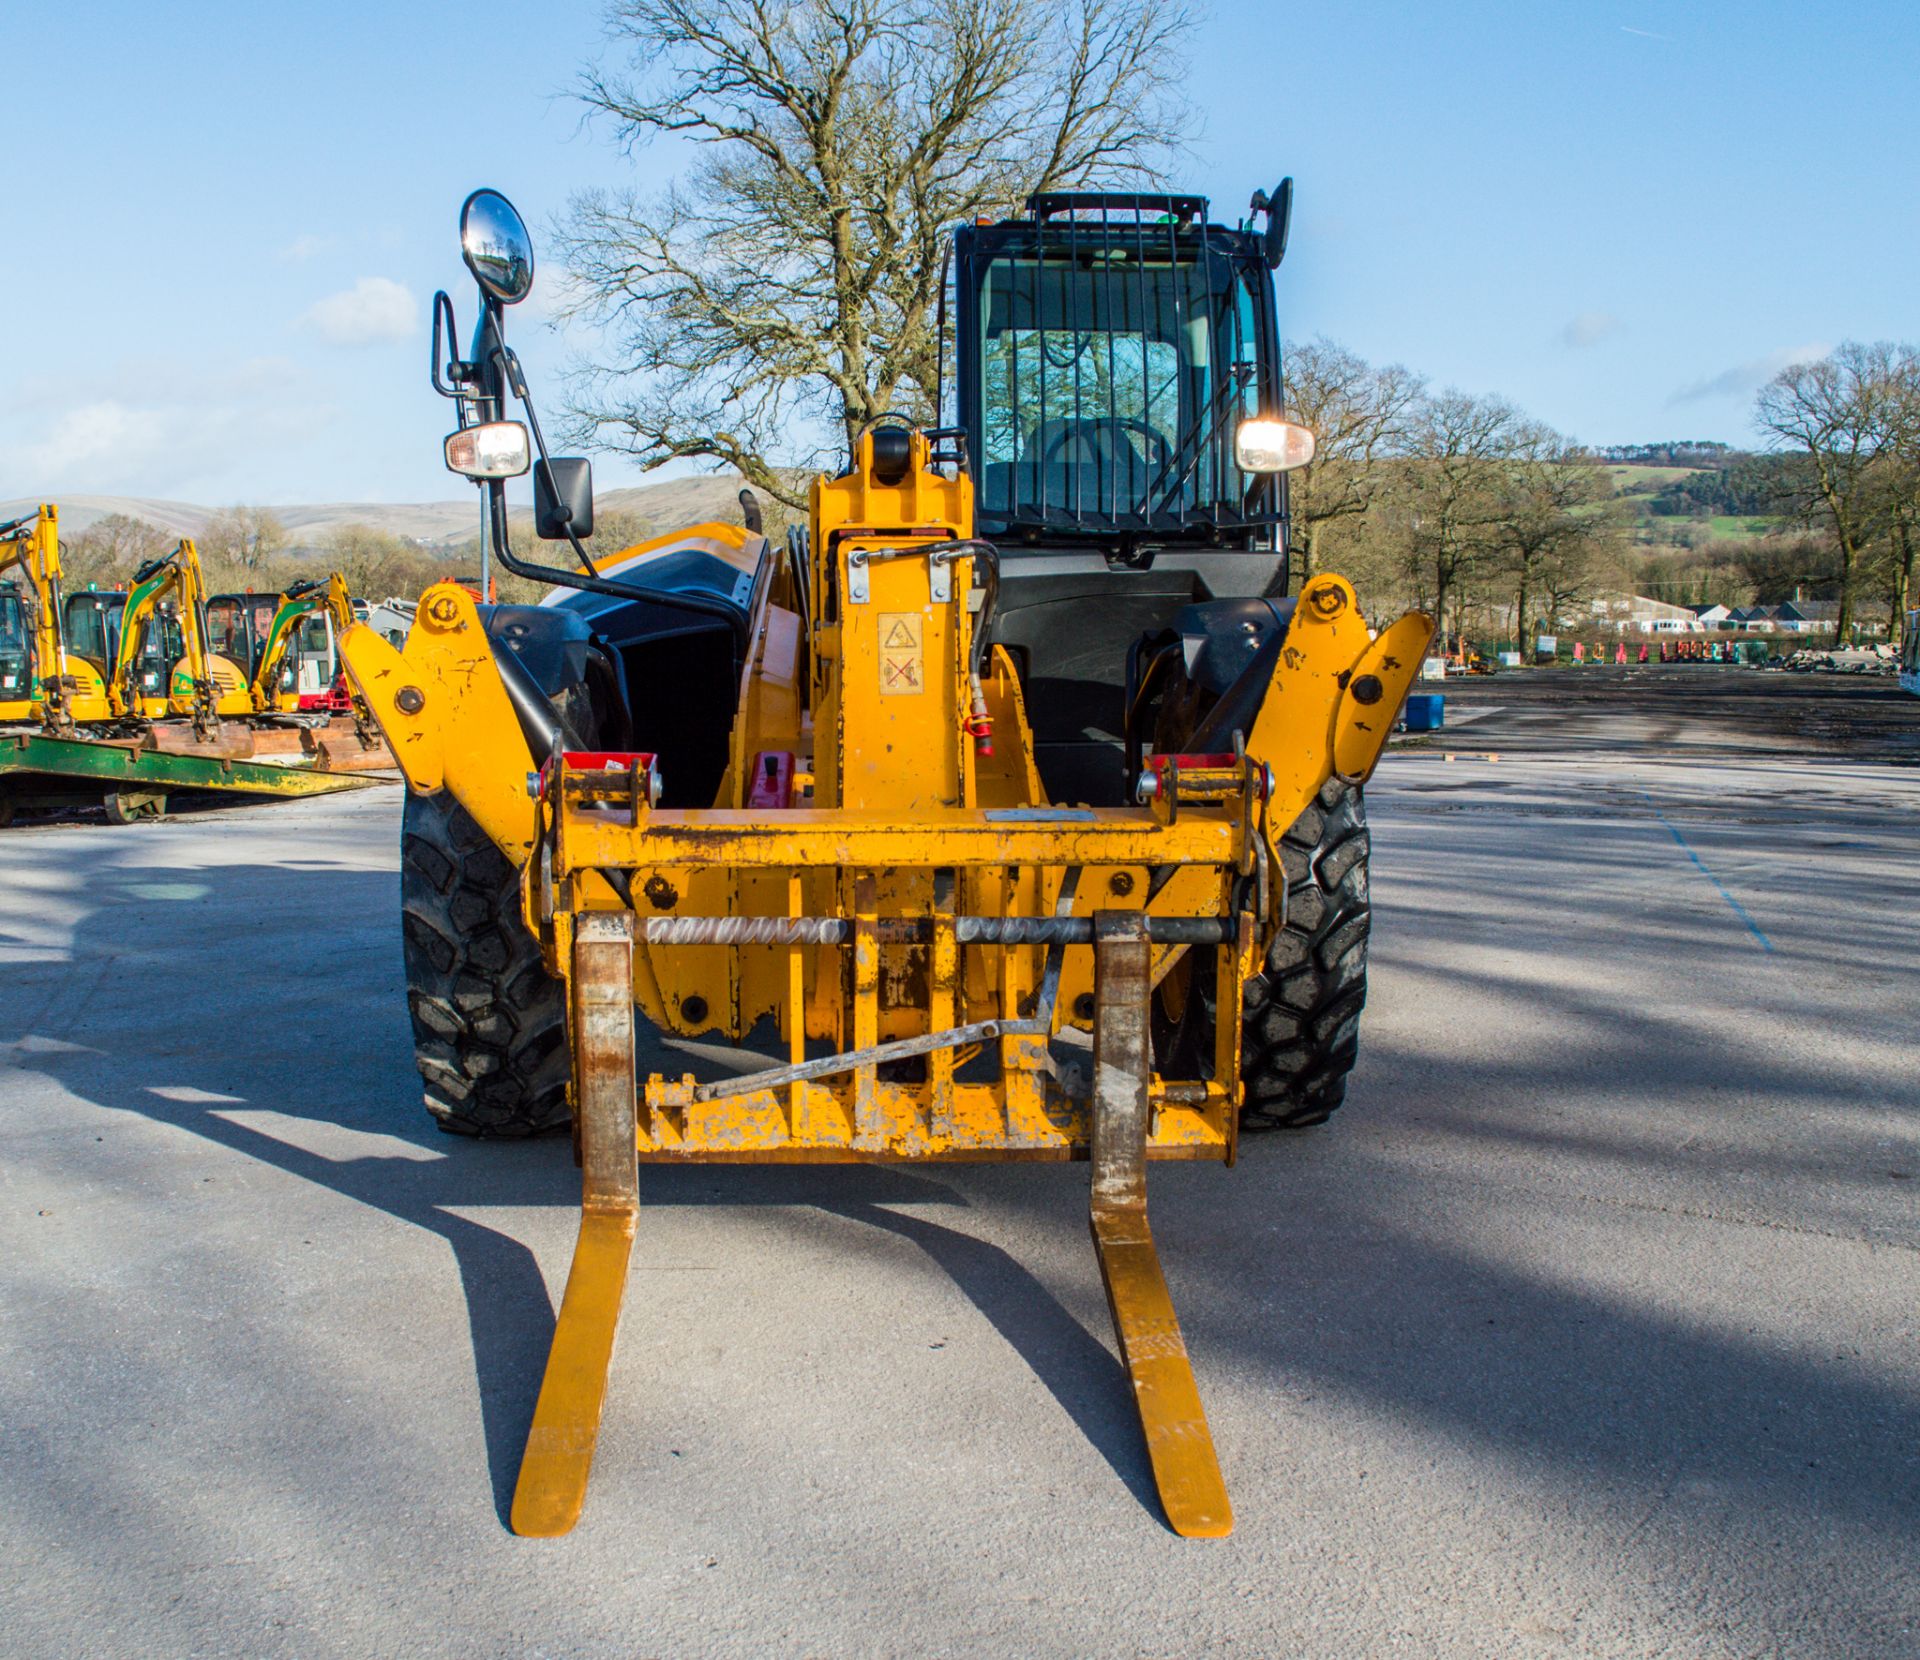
1633 480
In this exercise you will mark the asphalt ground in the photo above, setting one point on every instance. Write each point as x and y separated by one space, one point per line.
1587 1328
1688 710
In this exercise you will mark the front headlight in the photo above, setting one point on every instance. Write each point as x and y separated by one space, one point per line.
494 449
1265 445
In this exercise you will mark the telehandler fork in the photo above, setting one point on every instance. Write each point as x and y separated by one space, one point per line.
864 848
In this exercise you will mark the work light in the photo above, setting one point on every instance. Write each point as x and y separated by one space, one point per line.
1263 444
494 449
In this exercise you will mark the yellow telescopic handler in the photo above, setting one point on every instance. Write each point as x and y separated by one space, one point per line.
998 786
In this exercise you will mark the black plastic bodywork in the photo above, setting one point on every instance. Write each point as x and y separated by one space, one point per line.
639 675
1216 659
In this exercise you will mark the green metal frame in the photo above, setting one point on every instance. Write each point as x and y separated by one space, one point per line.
121 766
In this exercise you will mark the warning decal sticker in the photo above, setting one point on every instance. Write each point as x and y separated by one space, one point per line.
902 659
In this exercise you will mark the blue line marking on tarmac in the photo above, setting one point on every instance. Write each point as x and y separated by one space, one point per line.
1719 887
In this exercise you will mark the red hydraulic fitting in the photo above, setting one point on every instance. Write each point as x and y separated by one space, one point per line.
980 723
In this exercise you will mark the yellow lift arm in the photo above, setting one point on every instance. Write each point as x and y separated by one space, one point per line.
201 684
63 687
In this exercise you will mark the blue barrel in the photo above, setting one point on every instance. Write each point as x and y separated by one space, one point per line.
1426 712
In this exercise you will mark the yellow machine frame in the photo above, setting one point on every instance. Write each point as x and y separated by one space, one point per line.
202 684
892 885
295 605
66 687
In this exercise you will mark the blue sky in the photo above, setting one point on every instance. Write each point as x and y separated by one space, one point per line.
226 219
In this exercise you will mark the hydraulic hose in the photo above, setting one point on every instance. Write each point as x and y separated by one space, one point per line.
540 723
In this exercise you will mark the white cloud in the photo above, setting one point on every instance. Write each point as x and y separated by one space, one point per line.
107 430
373 311
303 248
1589 329
1745 379
183 431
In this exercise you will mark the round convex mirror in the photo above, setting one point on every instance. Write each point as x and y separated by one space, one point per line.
496 247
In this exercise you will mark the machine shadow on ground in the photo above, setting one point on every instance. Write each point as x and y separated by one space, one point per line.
510 1312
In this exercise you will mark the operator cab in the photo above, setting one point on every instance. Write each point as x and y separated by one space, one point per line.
16 646
1108 349
92 622
1113 366
238 625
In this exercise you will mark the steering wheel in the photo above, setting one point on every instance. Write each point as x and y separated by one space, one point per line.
1083 426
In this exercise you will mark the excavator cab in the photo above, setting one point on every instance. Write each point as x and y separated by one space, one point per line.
237 626
93 621
16 649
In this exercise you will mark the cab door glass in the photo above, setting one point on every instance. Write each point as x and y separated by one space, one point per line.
16 648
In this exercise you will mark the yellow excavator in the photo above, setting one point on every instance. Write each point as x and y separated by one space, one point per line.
199 683
151 709
847 784
41 680
328 598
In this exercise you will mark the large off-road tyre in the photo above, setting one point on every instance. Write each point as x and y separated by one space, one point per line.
489 1022
1300 1025
1302 1012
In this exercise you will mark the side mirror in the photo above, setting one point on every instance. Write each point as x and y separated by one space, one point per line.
1279 211
562 499
495 244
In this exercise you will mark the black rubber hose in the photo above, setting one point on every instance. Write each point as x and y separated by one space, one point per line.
1240 703
989 604
540 723
1136 706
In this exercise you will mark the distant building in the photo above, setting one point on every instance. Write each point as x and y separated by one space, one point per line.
1711 616
1805 616
1637 614
1820 616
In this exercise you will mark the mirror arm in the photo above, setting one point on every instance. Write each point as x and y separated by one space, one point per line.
490 374
510 364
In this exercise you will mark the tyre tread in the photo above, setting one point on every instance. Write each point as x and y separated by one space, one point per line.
1302 1013
489 1022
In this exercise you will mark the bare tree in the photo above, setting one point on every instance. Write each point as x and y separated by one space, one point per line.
1896 489
1452 503
1546 532
375 562
790 282
1360 416
242 540
1840 411
112 548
